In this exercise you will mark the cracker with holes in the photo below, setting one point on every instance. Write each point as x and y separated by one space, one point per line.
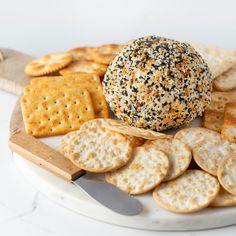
213 120
91 83
208 154
99 150
126 129
214 114
228 131
223 97
217 106
90 67
179 155
195 135
224 199
48 64
226 81
191 192
106 53
54 112
82 53
226 174
74 76
147 169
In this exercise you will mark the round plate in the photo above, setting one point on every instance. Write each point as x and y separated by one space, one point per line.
152 218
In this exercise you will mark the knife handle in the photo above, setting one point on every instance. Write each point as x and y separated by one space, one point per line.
41 154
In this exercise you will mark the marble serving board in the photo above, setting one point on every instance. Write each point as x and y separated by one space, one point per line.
153 217
66 194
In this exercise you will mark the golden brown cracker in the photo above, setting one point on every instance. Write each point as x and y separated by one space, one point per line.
74 76
90 67
223 97
214 114
93 86
82 53
48 64
106 53
216 106
213 120
228 131
54 112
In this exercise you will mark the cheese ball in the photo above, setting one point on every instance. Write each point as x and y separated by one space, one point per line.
157 83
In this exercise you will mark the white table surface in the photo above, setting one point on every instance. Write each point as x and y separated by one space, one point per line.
39 27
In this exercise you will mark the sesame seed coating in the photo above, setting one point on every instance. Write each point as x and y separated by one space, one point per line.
157 83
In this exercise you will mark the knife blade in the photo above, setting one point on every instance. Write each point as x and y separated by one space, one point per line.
106 194
110 196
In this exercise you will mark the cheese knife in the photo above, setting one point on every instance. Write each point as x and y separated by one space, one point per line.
41 154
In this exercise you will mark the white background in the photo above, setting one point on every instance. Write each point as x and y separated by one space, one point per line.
43 26
39 27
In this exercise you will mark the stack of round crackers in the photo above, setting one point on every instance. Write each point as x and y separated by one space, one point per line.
92 60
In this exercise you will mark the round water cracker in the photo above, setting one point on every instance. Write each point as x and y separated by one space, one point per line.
86 67
48 64
192 191
224 199
95 123
145 171
92 124
65 141
106 53
208 154
123 128
226 174
195 135
82 53
178 153
99 150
